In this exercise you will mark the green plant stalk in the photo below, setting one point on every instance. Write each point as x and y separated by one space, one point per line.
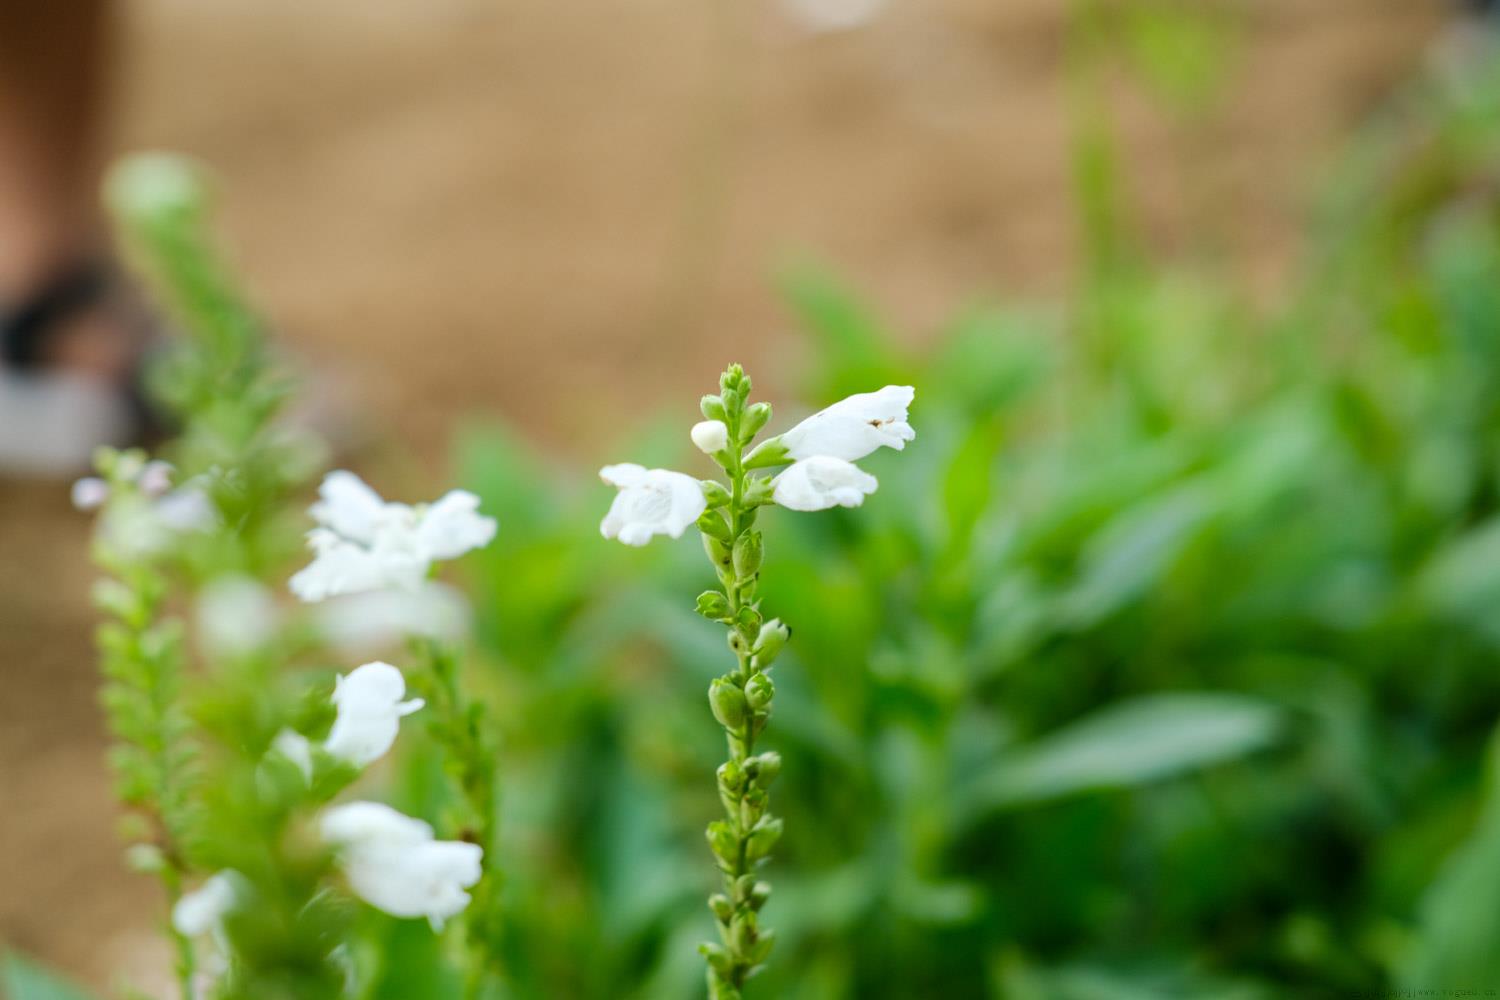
740 701
141 658
461 726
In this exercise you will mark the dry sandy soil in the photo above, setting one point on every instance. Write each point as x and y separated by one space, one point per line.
547 211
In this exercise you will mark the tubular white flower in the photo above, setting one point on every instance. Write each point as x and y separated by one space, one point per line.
854 427
821 482
202 911
710 436
393 862
364 543
370 710
650 502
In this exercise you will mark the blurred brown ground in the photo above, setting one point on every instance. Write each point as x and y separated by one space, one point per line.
550 211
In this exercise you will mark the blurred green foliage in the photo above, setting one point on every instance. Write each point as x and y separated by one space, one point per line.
1163 664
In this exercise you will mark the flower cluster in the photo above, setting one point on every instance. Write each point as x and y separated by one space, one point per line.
818 455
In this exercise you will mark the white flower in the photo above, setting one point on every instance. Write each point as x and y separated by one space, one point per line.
202 911
236 615
710 436
368 622
369 712
854 427
821 482
156 478
364 543
139 526
89 493
393 863
650 502
296 748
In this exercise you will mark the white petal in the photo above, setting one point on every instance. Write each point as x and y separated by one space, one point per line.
369 713
348 506
89 493
339 567
453 526
296 748
203 909
394 864
156 478
656 502
822 482
856 426
358 624
710 436
360 824
623 475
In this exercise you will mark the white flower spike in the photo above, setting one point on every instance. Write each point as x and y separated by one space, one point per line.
710 436
370 709
854 427
202 911
650 502
393 862
821 482
365 543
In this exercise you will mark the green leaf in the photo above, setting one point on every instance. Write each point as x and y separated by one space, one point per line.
25 981
1133 743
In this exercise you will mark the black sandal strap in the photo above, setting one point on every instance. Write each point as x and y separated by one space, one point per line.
24 333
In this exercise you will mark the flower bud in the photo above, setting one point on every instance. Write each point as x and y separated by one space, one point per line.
733 401
731 776
768 453
759 895
714 493
767 767
742 933
759 492
718 553
712 407
759 691
755 418
723 842
748 620
728 703
711 523
773 636
763 838
710 436
749 550
722 907
712 605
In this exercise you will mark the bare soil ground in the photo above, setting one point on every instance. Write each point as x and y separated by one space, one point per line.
552 211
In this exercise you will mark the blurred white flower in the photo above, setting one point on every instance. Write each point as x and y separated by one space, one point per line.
236 615
89 493
710 436
202 911
375 620
365 543
821 482
370 709
138 526
650 502
155 478
833 15
393 862
854 427
296 748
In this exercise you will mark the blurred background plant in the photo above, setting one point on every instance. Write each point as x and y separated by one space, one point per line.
1161 665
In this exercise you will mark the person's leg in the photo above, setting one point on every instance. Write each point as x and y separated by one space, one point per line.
53 70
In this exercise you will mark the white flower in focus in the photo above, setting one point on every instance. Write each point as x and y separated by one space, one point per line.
710 436
650 502
854 427
833 15
393 862
202 911
374 620
235 615
370 710
821 482
365 543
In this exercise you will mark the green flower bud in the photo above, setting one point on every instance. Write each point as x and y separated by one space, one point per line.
759 691
743 886
730 775
768 645
748 620
768 454
749 550
759 492
763 838
743 933
766 767
756 416
715 493
723 842
711 522
737 643
712 605
733 402
762 949
728 703
718 553
758 897
722 907
712 407
718 958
